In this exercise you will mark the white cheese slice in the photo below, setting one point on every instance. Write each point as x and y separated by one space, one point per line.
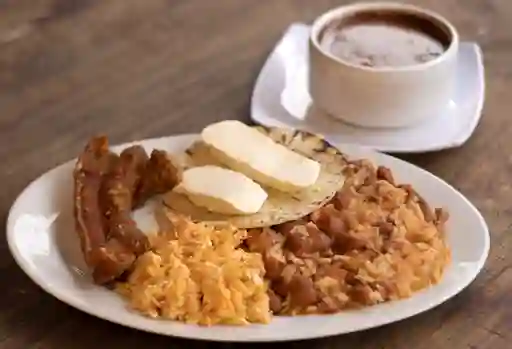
246 150
221 190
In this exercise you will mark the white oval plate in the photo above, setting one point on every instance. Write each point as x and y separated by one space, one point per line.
41 237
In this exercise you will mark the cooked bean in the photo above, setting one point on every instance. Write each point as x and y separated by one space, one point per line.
425 208
280 287
275 302
386 229
302 291
329 220
319 240
385 174
261 240
306 239
285 228
343 198
298 241
441 215
274 265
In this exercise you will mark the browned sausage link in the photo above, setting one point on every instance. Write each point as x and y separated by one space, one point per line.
96 159
107 257
123 180
91 165
133 161
124 229
116 201
115 196
112 260
88 217
159 176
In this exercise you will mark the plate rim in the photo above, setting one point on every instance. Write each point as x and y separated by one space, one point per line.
259 116
61 296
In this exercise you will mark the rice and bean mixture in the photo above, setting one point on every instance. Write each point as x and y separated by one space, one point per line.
376 241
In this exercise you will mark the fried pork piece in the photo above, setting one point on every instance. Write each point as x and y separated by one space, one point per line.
107 258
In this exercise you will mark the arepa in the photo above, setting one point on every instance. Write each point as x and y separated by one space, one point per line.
280 206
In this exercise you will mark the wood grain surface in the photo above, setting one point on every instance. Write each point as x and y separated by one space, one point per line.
143 68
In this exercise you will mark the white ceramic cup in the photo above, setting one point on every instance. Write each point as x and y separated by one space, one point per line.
383 97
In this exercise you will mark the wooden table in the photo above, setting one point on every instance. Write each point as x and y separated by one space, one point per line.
135 69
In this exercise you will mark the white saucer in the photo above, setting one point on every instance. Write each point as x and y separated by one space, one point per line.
280 98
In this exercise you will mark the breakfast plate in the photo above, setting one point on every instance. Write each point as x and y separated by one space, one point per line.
280 98
40 234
